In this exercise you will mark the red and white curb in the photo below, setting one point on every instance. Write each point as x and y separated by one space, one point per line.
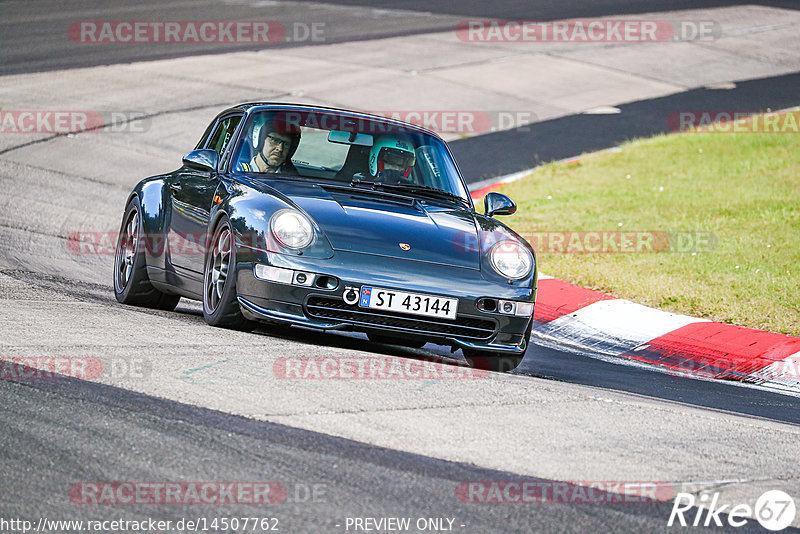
603 326
597 324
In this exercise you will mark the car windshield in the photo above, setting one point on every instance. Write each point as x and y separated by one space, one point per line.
345 148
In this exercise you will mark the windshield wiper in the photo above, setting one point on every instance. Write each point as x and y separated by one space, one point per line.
411 188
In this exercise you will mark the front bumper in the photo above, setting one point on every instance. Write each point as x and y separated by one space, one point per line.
326 309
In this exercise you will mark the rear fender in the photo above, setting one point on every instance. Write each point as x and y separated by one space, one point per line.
155 217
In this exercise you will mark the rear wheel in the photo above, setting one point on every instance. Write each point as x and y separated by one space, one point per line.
220 306
131 284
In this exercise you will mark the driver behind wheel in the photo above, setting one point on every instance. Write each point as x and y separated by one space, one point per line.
391 158
274 150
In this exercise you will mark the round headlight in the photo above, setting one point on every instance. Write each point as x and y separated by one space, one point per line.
292 229
511 259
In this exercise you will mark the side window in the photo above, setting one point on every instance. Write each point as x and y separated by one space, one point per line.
202 142
223 133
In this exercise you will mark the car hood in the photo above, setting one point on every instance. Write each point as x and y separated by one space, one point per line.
361 221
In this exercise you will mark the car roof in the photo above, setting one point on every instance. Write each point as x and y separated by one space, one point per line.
250 107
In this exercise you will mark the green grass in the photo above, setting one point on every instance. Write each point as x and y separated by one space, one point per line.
741 189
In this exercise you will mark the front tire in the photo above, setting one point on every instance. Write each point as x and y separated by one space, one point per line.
389 340
220 305
131 283
497 361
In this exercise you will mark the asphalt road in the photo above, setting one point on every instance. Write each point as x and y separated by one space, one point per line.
61 433
328 479
558 9
544 362
34 36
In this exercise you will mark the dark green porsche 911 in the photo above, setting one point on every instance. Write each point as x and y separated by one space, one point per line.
335 220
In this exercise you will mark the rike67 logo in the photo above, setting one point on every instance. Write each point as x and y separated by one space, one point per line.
774 510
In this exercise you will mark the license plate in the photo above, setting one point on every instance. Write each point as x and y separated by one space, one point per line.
415 303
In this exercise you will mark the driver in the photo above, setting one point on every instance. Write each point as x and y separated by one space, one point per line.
274 151
389 153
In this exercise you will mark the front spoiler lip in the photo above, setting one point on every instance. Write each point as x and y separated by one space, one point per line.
256 312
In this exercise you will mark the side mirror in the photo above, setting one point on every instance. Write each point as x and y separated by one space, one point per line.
202 160
498 204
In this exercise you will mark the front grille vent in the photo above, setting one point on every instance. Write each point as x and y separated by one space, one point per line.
462 327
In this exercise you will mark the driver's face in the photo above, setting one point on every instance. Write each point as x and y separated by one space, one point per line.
394 167
276 148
